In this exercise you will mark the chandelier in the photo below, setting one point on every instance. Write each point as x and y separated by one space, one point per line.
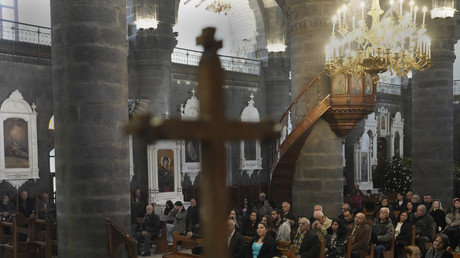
394 43
219 6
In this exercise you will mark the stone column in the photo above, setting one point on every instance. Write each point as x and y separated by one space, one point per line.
90 103
277 84
150 69
432 116
318 175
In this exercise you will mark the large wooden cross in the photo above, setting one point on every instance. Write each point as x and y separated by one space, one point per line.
213 130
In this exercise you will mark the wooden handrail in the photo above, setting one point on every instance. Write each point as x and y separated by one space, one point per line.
296 99
117 236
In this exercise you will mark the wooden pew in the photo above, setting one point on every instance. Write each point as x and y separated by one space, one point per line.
428 243
391 252
161 243
175 253
322 248
288 252
11 243
43 235
116 236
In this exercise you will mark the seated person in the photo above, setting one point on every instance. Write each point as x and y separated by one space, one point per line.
424 225
361 236
26 205
178 214
6 208
321 224
438 250
306 242
46 208
262 245
382 232
150 228
336 239
412 251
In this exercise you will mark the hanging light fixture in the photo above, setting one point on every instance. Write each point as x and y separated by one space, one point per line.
443 8
218 6
394 44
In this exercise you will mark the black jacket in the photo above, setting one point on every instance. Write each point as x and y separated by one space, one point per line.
236 248
268 249
405 235
151 224
310 245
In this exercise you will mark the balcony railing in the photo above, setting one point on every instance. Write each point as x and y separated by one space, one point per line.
389 88
229 63
23 32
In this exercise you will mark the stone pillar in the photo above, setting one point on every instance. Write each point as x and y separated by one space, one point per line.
318 175
277 84
432 116
150 69
90 103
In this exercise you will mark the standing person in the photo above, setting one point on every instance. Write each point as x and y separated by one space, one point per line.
149 229
403 232
439 216
260 202
305 241
438 250
361 236
263 245
26 204
357 201
336 239
178 214
245 210
453 225
138 210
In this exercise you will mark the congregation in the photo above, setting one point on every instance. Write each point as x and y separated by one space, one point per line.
407 226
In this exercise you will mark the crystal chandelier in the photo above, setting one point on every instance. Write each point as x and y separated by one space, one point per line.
219 6
393 43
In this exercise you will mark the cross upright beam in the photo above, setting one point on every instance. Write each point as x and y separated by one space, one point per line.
213 130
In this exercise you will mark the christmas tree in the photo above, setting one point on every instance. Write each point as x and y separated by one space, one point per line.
397 177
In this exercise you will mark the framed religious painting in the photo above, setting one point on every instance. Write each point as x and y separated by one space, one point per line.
356 84
164 173
18 145
339 84
368 84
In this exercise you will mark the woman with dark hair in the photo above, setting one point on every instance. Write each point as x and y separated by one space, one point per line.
357 201
250 228
245 208
438 215
336 239
438 250
403 232
453 225
262 245
268 220
169 207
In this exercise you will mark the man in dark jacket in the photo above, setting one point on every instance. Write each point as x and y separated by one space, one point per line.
149 229
382 232
361 234
424 225
306 241
236 242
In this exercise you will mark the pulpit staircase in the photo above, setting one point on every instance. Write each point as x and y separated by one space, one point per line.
287 149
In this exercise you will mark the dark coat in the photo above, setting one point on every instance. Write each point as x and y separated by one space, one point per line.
268 249
424 226
26 207
383 232
236 248
151 224
444 255
250 230
405 236
310 245
362 237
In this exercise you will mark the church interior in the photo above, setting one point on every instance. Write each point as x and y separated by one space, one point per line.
76 75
